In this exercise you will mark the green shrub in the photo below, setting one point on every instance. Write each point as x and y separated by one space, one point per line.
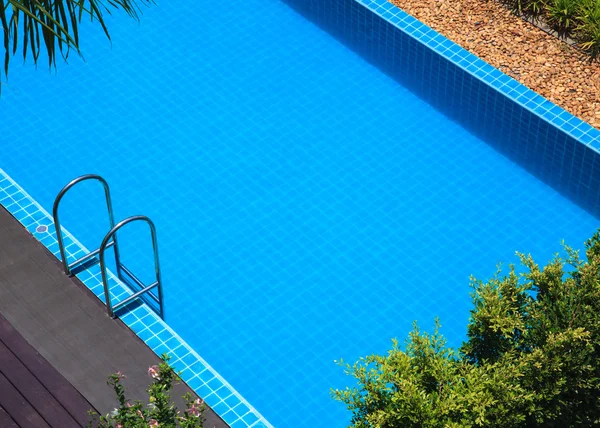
530 359
579 19
562 16
160 412
589 29
528 8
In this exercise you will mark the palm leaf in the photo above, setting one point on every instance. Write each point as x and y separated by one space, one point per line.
52 26
6 38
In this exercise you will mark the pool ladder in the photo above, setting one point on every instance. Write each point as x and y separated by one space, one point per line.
110 240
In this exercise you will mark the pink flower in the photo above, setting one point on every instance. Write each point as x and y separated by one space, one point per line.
153 372
120 375
153 423
196 407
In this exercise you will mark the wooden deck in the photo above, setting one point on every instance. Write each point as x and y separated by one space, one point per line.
32 392
63 321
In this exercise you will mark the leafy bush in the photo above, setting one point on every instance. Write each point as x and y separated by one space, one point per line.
577 19
527 8
562 16
531 357
159 412
589 28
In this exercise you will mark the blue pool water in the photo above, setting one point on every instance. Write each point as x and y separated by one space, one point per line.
309 208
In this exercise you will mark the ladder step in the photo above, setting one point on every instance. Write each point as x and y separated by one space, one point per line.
137 281
89 256
135 296
131 275
84 266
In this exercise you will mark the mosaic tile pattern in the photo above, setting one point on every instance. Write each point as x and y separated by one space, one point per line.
551 143
200 376
309 207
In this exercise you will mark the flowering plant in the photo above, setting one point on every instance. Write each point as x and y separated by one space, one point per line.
160 412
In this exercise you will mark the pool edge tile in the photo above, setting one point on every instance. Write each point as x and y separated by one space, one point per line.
471 63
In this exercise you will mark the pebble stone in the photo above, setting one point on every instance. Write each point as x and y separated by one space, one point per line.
518 48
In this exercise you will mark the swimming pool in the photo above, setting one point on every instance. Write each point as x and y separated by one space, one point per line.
309 207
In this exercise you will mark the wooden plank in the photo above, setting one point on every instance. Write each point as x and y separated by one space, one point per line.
71 400
18 407
34 392
6 421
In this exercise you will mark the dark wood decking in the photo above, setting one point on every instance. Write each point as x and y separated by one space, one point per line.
69 327
32 392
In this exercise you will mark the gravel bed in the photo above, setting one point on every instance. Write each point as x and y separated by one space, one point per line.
518 48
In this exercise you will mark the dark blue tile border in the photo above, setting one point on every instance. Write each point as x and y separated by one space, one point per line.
557 147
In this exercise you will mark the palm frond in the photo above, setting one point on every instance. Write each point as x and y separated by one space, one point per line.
52 26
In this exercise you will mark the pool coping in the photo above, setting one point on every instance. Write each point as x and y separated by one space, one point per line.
230 405
575 127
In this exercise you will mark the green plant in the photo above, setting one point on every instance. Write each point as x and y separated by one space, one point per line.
52 26
562 16
159 412
588 31
528 8
531 358
535 8
579 19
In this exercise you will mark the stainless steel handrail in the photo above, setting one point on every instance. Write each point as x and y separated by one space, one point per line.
158 283
68 267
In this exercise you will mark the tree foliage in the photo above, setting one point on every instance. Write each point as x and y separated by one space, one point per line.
52 26
531 358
